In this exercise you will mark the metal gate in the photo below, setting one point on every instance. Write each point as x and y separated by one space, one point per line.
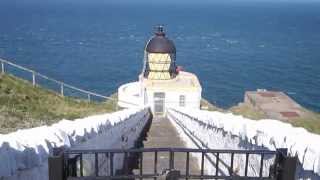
69 164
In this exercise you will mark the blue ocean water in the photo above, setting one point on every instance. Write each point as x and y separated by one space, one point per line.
232 47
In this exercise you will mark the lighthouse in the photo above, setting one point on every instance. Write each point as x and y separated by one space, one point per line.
161 84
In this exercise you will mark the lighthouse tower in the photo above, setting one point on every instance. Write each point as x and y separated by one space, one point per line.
161 85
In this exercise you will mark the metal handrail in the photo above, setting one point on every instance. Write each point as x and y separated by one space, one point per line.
166 149
53 80
62 84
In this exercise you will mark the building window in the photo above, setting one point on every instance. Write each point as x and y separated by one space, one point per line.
182 100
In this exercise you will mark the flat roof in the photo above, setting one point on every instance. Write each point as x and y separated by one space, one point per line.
275 104
184 80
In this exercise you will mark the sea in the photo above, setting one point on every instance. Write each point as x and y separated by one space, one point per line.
232 46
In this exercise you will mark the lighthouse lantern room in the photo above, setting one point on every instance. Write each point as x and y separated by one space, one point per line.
160 57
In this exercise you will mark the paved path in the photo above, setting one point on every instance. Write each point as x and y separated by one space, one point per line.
163 134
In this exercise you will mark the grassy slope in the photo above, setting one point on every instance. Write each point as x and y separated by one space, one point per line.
206 105
248 112
311 122
25 106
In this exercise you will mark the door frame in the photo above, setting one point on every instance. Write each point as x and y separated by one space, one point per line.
159 100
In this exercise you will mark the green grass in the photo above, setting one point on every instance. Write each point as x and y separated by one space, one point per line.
240 109
311 122
247 111
206 105
25 106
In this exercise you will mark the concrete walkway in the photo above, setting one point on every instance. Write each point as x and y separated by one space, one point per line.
163 134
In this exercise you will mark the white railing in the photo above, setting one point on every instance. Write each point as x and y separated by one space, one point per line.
62 85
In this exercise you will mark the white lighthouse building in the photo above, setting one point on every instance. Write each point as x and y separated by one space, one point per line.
161 84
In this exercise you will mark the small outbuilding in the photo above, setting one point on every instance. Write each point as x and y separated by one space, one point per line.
274 104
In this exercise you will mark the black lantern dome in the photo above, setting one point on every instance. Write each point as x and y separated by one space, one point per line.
159 43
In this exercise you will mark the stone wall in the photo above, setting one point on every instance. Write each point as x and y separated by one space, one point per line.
23 154
227 131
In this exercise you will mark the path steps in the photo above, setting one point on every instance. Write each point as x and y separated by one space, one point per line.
162 134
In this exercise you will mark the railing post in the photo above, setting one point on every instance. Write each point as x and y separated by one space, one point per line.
33 78
61 89
89 97
115 104
285 167
56 165
2 67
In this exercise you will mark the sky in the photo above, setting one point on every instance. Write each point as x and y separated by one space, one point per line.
169 1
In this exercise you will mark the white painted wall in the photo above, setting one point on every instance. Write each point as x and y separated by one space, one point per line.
228 131
192 99
129 95
23 154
